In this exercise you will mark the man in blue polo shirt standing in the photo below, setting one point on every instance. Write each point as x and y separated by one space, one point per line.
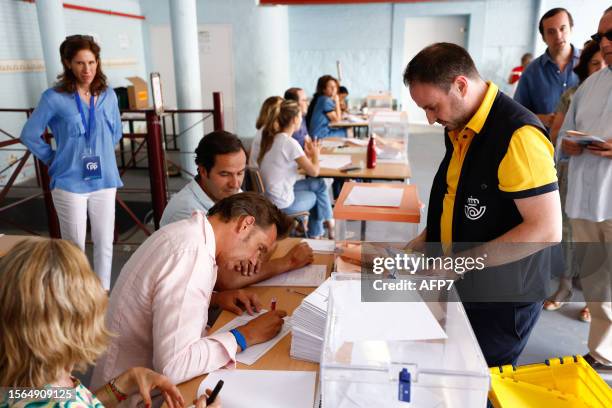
549 75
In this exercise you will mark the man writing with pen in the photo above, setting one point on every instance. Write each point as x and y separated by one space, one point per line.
159 305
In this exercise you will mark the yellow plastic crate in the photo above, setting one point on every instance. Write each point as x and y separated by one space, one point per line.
567 382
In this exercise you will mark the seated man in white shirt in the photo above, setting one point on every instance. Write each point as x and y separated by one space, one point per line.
221 160
159 306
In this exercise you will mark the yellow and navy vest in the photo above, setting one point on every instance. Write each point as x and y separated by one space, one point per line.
482 212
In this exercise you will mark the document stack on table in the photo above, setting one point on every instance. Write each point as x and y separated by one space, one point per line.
308 325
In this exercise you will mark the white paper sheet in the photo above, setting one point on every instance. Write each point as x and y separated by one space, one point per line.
349 150
254 353
321 245
370 321
334 161
375 196
263 388
331 144
311 275
358 142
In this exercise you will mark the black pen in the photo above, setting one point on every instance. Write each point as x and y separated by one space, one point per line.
213 395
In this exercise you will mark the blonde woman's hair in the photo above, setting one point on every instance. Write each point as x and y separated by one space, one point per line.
280 117
269 109
52 309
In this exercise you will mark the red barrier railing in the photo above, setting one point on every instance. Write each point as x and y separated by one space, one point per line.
154 141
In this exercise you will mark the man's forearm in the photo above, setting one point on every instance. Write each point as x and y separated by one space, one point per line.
518 243
267 270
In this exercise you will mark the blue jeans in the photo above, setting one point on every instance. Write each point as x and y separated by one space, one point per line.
332 132
311 195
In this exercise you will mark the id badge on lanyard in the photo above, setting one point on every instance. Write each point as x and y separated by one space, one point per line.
91 164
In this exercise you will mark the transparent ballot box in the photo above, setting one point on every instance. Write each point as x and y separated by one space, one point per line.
400 354
377 212
392 131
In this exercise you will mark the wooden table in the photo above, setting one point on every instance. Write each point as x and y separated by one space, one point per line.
278 357
382 171
409 210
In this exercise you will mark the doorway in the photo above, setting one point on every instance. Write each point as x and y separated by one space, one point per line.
420 32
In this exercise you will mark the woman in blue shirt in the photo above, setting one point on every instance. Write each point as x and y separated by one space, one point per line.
83 115
324 108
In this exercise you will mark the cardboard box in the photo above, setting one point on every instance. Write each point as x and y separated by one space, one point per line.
138 94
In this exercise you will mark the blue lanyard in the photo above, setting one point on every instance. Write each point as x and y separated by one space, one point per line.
92 117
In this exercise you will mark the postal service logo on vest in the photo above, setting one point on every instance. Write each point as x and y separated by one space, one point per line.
473 210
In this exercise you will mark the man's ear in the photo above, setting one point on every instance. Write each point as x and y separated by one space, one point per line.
462 84
202 171
245 223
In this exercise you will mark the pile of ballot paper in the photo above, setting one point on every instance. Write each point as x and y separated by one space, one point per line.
308 325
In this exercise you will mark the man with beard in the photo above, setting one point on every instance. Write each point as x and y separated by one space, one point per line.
496 184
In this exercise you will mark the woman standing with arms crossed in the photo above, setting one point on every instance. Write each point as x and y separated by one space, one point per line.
83 115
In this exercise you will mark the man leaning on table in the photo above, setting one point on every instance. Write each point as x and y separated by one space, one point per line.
497 182
221 160
159 306
589 195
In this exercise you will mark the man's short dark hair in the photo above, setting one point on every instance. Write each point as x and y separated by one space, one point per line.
214 144
343 90
254 204
291 94
439 64
551 13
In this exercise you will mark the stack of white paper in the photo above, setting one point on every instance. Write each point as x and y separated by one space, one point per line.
308 325
334 161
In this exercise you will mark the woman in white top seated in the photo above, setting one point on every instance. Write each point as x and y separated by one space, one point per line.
279 158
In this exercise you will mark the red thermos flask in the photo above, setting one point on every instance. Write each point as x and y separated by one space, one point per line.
371 153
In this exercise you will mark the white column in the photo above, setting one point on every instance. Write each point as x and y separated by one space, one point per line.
261 59
52 33
184 26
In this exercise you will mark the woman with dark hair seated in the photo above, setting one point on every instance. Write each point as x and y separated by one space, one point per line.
325 109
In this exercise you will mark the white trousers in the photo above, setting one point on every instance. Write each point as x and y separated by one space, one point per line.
72 210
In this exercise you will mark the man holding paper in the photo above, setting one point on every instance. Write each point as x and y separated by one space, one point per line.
589 192
159 305
496 184
221 160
